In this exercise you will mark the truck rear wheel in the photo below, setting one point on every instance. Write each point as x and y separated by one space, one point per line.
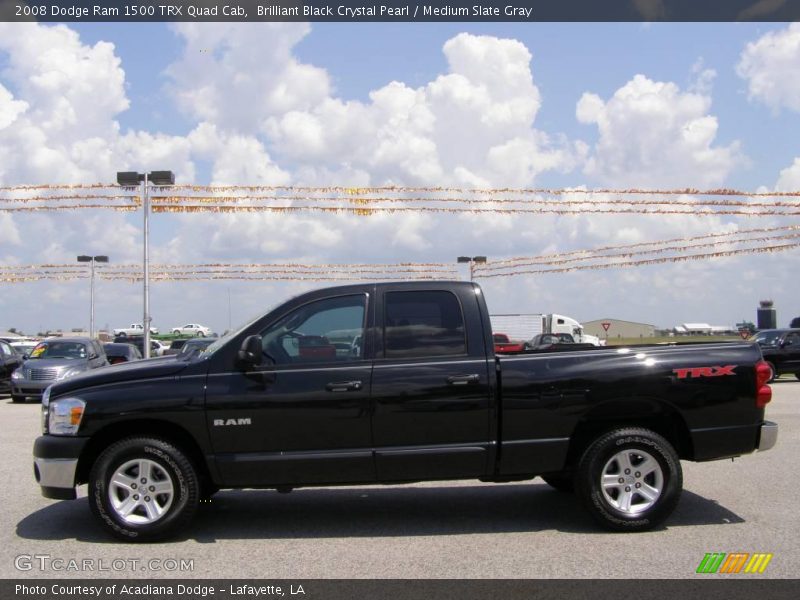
630 479
143 489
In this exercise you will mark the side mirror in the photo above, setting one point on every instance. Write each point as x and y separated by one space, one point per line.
250 352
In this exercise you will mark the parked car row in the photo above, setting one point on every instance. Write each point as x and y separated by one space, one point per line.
27 375
190 329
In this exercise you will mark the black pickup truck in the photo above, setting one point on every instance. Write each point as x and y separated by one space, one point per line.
399 385
781 350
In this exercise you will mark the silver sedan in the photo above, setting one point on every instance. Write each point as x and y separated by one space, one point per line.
53 360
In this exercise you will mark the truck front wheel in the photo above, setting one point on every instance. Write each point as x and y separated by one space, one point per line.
630 479
143 489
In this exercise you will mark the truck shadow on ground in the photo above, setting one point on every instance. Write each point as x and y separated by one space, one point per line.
372 512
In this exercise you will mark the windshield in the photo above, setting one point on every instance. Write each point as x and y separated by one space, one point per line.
69 350
767 338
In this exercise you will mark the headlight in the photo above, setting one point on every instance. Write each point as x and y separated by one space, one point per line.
64 416
16 375
69 373
45 408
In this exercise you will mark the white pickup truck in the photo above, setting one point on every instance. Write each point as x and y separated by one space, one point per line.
134 329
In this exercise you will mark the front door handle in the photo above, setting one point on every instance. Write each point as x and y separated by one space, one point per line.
344 386
463 379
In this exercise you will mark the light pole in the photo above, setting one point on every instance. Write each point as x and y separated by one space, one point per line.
133 179
92 260
472 260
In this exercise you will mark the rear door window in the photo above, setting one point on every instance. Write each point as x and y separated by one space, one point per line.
423 324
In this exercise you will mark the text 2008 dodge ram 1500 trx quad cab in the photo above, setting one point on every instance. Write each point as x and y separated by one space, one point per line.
400 384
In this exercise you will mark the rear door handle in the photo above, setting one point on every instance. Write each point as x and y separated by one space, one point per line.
344 386
463 379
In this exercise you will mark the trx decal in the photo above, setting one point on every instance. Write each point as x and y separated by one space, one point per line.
704 372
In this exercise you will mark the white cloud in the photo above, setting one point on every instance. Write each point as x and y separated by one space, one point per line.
235 75
771 66
789 180
651 134
61 78
260 115
10 109
9 233
473 125
235 157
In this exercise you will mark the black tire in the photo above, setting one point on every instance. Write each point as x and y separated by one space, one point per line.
607 455
797 375
17 399
122 334
563 482
774 372
200 334
167 462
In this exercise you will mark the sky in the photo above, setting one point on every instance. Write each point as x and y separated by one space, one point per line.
596 105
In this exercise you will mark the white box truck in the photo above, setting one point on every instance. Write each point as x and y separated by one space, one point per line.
525 326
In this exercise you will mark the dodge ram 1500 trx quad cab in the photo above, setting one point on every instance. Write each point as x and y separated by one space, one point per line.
400 384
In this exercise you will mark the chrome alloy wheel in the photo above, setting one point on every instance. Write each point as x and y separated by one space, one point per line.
141 491
632 481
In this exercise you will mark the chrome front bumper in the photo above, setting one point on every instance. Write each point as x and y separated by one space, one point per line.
55 465
56 476
768 435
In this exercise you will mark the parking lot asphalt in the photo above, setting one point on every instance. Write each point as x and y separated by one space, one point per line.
462 529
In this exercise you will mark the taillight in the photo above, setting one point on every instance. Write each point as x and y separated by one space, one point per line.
763 391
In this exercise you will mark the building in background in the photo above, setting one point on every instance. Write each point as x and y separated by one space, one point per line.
617 328
767 315
704 329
